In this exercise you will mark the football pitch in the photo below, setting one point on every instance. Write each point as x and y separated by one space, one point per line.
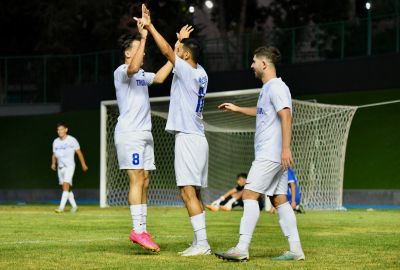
34 237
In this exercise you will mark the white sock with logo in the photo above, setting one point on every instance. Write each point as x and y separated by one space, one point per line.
136 213
248 223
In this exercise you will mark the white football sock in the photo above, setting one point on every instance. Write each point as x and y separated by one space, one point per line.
64 199
248 223
230 202
287 220
144 217
71 199
199 228
136 213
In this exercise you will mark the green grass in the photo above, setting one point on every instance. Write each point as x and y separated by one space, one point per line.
33 237
371 158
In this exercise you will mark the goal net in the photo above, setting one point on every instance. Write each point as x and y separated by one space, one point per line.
319 140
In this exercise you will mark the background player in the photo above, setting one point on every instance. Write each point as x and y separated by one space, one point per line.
293 188
189 86
133 138
273 156
232 197
230 194
63 160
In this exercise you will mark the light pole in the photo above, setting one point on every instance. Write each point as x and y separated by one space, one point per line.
369 37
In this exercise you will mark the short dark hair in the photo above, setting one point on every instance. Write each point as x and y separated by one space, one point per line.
271 53
125 41
193 46
62 124
243 175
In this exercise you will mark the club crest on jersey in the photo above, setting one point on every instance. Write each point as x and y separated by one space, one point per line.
203 80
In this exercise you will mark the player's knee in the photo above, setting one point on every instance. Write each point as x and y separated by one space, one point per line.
250 195
146 183
137 178
188 194
277 200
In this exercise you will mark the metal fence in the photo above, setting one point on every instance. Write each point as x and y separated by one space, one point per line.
40 79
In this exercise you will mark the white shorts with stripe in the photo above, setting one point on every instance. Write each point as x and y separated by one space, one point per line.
191 160
135 150
65 174
267 177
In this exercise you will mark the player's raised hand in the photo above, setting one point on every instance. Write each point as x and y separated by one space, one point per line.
286 159
143 32
228 107
184 32
146 19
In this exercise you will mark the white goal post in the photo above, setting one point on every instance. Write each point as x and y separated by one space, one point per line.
320 133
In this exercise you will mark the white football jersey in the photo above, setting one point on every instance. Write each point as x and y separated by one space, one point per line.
274 96
133 99
64 150
188 90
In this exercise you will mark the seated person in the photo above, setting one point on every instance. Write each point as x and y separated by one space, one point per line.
232 197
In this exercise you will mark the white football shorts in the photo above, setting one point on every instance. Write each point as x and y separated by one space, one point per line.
135 150
267 177
191 160
65 174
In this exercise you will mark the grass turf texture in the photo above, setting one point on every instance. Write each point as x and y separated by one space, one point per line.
372 149
34 237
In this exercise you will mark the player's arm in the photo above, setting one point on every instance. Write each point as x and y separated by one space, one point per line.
229 107
162 44
163 73
286 121
137 59
53 162
230 192
82 160
293 191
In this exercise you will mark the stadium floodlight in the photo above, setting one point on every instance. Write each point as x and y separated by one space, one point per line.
191 9
368 5
209 4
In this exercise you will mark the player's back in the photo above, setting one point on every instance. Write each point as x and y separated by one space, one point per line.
188 90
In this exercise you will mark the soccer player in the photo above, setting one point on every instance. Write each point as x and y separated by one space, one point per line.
232 197
294 192
273 156
62 160
293 188
189 86
133 138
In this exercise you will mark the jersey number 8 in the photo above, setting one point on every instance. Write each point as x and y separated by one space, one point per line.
135 159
